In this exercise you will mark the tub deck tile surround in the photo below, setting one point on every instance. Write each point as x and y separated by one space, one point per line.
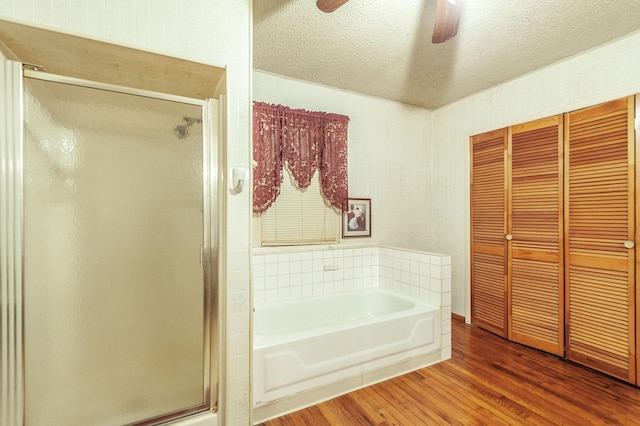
305 344
291 273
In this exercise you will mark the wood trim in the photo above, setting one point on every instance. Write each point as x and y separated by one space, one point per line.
632 218
538 124
565 269
539 255
562 196
604 110
456 317
508 258
495 251
611 264
637 231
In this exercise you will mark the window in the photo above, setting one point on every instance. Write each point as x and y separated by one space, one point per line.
300 216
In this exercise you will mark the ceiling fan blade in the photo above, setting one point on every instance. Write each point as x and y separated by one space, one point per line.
329 6
447 20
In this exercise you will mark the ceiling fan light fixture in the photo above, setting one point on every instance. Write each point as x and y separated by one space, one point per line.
329 6
447 20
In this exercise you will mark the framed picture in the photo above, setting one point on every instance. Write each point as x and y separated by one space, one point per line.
356 221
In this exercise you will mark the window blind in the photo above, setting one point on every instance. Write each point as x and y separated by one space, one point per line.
300 217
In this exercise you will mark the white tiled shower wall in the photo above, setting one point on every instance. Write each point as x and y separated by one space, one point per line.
289 274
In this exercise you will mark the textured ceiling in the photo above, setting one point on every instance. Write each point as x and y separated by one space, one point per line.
383 48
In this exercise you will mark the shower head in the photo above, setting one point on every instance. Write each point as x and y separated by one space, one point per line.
181 131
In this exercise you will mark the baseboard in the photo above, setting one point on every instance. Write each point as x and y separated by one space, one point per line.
457 317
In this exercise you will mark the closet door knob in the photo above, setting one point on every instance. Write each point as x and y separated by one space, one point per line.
629 244
509 237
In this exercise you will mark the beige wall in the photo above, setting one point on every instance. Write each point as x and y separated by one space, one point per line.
212 32
417 174
608 72
388 151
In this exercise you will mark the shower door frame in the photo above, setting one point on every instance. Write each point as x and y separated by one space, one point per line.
12 386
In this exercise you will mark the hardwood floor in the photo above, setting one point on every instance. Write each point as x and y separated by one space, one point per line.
488 381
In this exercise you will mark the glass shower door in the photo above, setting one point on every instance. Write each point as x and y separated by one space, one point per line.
115 291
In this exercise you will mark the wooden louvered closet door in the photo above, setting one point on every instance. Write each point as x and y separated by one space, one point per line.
535 226
599 214
488 228
637 217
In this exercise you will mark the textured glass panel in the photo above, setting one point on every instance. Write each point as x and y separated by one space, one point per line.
113 281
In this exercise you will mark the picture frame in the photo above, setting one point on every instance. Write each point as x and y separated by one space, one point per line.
356 221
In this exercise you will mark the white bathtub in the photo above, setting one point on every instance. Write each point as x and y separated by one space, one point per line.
308 343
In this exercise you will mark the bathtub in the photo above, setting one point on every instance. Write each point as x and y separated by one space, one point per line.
309 343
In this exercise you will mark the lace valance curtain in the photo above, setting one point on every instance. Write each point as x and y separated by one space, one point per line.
304 141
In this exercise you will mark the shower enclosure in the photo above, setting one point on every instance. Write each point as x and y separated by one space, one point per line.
108 269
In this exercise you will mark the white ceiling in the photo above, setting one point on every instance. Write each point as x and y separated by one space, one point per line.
383 48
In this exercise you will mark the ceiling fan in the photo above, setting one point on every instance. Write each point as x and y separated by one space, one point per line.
447 17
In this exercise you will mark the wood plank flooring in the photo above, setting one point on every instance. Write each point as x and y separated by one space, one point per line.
488 381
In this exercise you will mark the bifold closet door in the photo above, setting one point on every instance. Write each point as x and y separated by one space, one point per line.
535 235
599 236
488 229
637 216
